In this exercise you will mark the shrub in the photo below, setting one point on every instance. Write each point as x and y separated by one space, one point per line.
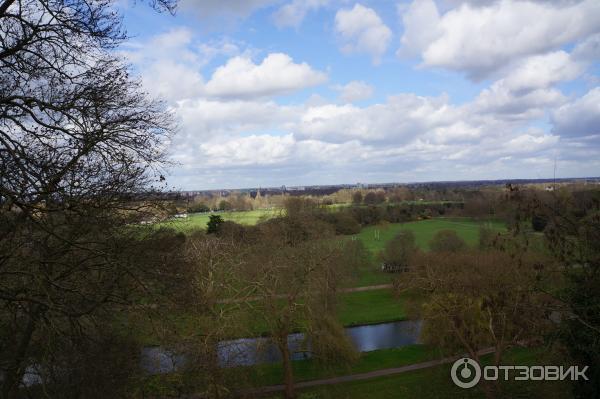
214 222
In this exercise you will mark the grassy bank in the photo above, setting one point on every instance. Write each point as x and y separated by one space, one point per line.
435 382
305 370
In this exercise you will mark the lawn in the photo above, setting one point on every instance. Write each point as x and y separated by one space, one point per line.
375 237
367 307
355 308
435 382
198 220
304 370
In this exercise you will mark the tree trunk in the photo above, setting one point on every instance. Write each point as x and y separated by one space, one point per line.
15 370
288 376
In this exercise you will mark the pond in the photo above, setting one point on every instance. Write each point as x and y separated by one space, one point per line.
252 351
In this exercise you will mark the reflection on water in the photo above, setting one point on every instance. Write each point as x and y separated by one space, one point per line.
251 351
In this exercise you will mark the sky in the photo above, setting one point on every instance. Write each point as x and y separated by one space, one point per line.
307 92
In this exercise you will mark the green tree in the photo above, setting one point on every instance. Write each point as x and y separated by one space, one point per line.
213 224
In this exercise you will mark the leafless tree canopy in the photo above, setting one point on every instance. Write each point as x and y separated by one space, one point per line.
78 137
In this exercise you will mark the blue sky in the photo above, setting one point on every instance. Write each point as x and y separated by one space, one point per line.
299 92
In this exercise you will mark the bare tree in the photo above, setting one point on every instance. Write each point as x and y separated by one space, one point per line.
78 141
476 300
296 285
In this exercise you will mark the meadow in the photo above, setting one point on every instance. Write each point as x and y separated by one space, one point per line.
196 221
375 237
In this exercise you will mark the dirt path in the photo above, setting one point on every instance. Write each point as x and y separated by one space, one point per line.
344 290
361 376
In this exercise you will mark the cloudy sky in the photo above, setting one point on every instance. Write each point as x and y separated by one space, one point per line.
298 92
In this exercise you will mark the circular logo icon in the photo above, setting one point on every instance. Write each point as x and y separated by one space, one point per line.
465 372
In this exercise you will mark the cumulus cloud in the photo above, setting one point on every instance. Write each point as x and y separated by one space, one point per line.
276 74
579 118
406 137
354 91
171 67
292 14
526 92
482 40
235 131
255 149
541 71
361 30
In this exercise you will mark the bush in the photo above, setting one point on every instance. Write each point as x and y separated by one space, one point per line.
214 222
447 241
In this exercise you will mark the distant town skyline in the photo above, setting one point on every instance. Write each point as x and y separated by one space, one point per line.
309 92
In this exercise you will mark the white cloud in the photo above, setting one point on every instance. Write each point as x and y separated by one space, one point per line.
203 119
171 81
482 40
292 14
526 91
255 149
588 50
580 117
421 26
171 63
354 91
362 31
276 74
169 68
235 132
542 71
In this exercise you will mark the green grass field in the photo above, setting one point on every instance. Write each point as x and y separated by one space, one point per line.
355 308
375 238
367 307
305 370
198 220
435 382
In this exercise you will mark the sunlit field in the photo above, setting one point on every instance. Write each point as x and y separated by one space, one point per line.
199 220
375 237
